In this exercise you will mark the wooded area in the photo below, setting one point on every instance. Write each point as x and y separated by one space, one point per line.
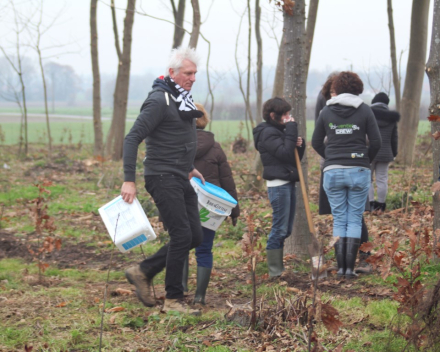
51 193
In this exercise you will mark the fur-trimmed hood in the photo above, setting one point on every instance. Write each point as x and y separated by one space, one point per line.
384 116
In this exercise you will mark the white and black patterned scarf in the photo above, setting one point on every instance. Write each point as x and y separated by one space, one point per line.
184 100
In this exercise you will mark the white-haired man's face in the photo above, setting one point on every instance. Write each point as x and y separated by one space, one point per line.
186 75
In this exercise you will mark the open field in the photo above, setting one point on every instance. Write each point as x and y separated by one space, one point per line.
75 126
62 311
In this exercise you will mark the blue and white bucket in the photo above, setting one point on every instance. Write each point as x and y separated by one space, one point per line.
215 204
130 222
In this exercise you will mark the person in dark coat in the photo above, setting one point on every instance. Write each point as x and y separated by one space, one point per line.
276 140
347 122
387 121
324 208
211 161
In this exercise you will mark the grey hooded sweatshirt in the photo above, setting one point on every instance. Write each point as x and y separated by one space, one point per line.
347 122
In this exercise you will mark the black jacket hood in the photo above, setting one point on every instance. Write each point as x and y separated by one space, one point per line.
385 116
159 83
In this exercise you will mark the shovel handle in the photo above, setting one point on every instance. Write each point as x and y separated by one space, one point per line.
304 193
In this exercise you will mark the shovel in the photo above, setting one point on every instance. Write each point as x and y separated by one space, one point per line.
314 248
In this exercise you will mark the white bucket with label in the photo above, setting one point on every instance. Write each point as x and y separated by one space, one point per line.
215 204
132 228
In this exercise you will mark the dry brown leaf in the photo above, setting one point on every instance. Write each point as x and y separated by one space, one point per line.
123 292
113 318
436 135
114 309
366 247
62 304
435 187
293 289
434 118
329 317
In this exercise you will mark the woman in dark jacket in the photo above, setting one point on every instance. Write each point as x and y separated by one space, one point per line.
276 140
212 163
346 122
387 121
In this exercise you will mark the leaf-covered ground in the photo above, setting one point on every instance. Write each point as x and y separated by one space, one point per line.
61 311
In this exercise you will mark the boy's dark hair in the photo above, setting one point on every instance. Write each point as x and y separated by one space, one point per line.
348 82
276 105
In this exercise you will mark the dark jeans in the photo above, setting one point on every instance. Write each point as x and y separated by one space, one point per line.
283 201
177 203
204 255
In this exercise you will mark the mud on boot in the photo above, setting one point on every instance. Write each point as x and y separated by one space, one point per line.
363 267
179 305
136 277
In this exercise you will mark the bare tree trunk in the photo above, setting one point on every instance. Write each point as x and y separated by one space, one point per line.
179 15
259 117
396 78
310 31
413 81
433 72
248 80
255 179
115 139
97 124
278 84
46 109
196 24
295 93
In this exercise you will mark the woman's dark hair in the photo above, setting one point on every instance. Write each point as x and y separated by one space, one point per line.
326 88
276 105
348 82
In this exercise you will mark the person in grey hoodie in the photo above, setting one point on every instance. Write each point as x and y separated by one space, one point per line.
387 121
346 122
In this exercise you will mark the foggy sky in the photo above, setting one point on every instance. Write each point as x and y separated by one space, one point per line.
349 33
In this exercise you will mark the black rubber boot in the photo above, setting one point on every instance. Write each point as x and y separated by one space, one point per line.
381 206
203 277
185 275
373 205
275 262
340 246
350 256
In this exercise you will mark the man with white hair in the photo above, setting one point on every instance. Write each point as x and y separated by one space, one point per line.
167 124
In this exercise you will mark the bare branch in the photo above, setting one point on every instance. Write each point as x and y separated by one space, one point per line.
115 30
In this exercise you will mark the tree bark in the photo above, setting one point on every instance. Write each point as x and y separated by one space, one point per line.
295 67
413 81
259 117
310 32
248 80
179 15
433 72
396 78
278 84
97 124
115 139
115 31
196 24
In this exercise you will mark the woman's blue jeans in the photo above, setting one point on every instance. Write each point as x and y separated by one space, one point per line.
347 191
204 255
283 201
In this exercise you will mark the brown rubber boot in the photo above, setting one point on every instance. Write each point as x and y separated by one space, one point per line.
179 305
363 267
136 277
